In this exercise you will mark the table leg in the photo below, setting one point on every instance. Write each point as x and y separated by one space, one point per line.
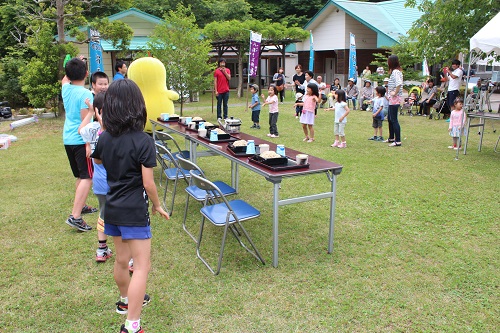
481 122
467 135
332 214
234 175
276 187
192 151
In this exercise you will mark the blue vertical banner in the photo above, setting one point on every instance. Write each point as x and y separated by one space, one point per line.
95 52
254 56
352 57
311 52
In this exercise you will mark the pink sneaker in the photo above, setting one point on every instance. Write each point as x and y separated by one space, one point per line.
335 144
342 145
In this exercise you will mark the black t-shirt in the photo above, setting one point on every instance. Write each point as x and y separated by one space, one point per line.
123 158
301 79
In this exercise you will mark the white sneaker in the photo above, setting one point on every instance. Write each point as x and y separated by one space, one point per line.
269 134
274 136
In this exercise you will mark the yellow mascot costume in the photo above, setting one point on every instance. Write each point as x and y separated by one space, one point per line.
150 75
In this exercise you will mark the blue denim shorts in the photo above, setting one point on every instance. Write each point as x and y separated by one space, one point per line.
127 232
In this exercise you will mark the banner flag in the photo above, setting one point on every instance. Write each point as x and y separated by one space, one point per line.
311 52
425 68
95 52
253 57
352 57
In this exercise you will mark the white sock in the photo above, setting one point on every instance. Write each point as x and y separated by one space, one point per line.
124 299
132 325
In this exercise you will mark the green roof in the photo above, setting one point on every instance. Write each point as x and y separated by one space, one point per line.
135 12
137 42
390 19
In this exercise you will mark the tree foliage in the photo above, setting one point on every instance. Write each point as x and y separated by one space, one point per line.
42 27
290 12
445 27
178 43
10 71
205 11
40 77
407 62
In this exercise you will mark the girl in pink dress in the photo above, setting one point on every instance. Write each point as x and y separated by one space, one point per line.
457 121
310 99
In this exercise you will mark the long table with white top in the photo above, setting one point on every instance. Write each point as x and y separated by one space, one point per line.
316 165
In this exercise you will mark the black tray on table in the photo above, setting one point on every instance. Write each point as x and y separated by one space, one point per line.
208 128
277 164
170 120
222 138
241 151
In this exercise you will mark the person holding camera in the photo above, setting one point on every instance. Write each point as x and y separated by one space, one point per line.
455 79
222 75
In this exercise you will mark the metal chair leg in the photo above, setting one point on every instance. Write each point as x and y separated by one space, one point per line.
185 218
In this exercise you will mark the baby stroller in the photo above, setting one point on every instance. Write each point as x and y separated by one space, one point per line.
440 107
413 99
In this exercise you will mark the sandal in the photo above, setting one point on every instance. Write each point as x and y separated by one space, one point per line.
305 139
310 140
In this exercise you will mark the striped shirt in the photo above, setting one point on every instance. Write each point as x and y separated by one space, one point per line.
396 80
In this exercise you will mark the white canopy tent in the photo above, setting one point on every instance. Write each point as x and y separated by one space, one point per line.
485 41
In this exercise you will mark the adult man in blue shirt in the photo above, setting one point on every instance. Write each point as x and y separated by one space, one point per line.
121 70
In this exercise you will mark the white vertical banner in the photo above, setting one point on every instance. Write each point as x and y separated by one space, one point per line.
425 68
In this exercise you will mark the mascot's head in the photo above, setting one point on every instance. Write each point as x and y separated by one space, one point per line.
150 75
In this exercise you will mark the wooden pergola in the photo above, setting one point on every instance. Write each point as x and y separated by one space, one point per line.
233 45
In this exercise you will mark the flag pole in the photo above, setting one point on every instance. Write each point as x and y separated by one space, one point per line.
248 72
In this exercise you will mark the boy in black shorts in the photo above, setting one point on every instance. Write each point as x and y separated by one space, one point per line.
74 95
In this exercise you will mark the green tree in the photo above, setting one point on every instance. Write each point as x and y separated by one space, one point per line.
45 19
406 60
205 11
178 43
10 71
40 77
290 12
445 27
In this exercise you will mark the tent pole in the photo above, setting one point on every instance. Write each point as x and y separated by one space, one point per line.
463 113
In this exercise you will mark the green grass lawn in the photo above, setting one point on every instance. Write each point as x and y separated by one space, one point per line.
416 240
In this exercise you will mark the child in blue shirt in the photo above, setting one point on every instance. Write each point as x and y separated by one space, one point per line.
90 132
255 106
380 107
